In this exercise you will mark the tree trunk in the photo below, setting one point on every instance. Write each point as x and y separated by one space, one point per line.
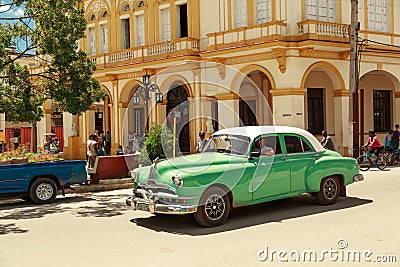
34 138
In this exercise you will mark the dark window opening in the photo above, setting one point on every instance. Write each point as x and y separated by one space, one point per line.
98 121
183 21
247 113
382 108
126 34
315 104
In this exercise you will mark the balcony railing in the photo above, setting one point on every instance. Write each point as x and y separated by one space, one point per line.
180 47
274 30
321 30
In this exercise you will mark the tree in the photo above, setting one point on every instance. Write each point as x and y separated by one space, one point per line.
157 145
48 31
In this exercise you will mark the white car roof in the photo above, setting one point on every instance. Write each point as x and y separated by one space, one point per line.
254 131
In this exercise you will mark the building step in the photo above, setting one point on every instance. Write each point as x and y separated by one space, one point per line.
116 181
100 187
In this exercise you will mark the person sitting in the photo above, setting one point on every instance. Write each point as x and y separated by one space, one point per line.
374 143
266 149
120 151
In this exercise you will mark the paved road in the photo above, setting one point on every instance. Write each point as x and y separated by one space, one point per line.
96 229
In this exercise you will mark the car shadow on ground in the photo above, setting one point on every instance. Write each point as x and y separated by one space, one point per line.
274 211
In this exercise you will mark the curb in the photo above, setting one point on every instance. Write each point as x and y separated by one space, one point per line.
104 185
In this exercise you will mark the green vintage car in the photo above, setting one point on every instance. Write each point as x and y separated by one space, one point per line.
243 166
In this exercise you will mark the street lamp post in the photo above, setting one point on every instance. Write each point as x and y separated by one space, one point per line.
146 88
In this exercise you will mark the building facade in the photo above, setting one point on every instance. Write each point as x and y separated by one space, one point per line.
225 63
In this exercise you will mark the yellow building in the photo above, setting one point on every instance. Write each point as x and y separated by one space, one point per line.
225 63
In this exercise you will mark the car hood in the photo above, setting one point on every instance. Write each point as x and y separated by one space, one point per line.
194 165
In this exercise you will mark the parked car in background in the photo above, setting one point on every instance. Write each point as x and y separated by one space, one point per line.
40 181
243 166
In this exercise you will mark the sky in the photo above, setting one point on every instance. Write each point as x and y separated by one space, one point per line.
15 12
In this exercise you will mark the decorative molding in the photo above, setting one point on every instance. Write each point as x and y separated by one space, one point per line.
288 92
280 54
379 66
229 96
96 7
396 94
277 53
122 105
341 92
325 54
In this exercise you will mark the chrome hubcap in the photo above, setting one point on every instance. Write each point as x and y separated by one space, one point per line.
44 191
215 207
330 189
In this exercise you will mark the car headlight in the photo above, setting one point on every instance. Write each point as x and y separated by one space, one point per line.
134 175
178 180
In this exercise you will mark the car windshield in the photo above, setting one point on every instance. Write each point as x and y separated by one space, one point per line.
232 144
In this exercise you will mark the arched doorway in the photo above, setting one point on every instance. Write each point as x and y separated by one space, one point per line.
255 101
177 100
377 104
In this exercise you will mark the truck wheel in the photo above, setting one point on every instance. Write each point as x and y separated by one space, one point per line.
43 190
329 191
214 207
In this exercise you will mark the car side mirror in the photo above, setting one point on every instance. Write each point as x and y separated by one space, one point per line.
255 154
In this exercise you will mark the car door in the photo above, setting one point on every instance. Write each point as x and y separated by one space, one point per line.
301 157
271 176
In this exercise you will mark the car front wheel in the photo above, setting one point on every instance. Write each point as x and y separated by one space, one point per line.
214 208
43 190
329 191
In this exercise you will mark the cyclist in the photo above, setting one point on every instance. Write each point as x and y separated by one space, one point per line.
388 141
374 143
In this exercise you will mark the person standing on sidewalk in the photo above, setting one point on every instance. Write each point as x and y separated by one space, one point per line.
395 138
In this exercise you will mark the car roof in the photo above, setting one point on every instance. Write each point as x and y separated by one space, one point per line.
254 131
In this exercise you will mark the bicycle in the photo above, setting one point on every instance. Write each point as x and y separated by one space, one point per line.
367 160
392 158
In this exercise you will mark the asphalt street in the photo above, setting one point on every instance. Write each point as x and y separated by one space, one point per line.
97 229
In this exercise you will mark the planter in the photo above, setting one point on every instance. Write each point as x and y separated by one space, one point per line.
5 162
19 161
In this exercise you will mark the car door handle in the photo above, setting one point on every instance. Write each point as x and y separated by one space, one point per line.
283 158
316 156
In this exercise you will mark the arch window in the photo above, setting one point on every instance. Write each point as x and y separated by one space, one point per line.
139 4
125 8
92 41
104 14
92 17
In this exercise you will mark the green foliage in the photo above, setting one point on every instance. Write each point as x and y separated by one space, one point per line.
158 144
67 73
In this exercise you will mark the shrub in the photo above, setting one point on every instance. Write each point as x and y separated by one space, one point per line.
158 144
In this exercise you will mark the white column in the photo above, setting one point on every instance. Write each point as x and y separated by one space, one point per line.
228 110
341 102
67 127
2 122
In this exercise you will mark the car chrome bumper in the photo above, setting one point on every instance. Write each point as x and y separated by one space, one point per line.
358 178
150 205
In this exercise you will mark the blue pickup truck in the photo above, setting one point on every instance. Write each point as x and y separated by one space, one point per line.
40 182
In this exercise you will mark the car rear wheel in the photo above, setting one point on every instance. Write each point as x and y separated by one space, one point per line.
214 208
43 190
329 191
